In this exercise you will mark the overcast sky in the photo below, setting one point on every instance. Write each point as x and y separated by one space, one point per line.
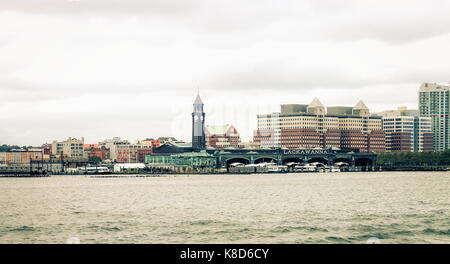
129 68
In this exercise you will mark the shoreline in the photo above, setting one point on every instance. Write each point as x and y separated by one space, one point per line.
155 175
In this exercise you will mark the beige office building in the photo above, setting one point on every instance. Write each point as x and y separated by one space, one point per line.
314 125
70 148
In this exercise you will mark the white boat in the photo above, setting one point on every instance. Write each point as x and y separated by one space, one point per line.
335 169
276 168
94 170
305 168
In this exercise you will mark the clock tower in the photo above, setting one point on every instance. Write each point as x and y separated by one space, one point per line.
198 125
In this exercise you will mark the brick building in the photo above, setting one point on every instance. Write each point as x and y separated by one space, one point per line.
407 131
313 126
20 156
222 137
132 153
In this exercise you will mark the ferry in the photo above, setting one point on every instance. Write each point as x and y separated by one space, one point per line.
335 169
305 168
271 168
94 170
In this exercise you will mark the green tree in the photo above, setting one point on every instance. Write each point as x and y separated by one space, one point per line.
95 159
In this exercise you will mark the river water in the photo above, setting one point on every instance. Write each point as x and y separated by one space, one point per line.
394 207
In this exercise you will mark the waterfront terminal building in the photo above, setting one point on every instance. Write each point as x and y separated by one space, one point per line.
182 155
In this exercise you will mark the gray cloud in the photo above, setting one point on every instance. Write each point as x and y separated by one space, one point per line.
339 20
131 68
98 6
281 76
288 77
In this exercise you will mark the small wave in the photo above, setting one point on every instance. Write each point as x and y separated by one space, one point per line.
233 231
362 228
175 233
285 229
403 232
202 222
22 229
316 229
104 228
204 232
209 222
437 232
337 239
223 232
112 228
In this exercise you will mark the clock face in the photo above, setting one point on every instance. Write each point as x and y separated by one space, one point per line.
195 118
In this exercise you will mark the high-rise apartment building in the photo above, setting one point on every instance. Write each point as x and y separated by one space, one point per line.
314 125
407 131
434 103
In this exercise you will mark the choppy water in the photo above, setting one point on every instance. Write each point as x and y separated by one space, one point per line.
395 207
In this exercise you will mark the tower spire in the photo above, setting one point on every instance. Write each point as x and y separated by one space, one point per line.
198 100
198 124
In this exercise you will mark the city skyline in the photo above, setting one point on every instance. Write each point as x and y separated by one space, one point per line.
131 69
246 136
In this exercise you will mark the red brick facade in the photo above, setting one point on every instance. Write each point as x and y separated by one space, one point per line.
428 141
102 153
400 141
133 155
343 139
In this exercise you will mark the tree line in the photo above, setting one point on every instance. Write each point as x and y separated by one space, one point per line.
5 147
414 158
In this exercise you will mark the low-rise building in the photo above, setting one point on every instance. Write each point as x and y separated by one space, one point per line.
155 143
222 137
132 153
21 156
70 148
112 145
100 152
2 157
